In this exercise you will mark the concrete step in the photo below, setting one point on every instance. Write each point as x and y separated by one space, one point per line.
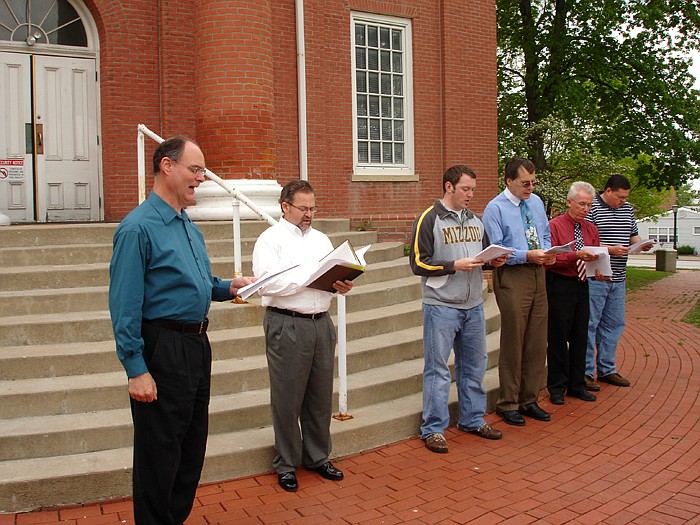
45 235
81 275
83 253
27 484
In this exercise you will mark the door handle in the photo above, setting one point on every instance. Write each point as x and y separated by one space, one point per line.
40 139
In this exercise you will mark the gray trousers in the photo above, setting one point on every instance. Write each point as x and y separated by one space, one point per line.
300 358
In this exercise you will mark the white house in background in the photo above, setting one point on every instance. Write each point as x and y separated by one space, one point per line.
660 227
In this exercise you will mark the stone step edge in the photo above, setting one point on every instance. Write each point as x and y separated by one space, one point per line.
30 484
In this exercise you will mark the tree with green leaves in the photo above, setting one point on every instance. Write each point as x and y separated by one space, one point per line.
586 87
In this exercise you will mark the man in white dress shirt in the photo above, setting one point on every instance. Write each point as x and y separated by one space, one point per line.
299 336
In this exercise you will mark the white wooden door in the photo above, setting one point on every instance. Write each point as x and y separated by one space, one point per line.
16 161
67 149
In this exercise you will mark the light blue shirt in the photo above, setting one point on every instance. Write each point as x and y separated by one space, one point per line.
159 270
504 224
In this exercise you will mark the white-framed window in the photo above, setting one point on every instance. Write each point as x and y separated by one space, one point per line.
661 234
382 97
696 230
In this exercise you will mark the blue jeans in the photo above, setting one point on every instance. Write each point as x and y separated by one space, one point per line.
605 325
465 330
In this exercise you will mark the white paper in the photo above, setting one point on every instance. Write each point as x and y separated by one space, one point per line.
564 248
637 246
250 289
344 255
602 264
492 252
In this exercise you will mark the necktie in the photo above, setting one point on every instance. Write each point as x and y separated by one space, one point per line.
533 241
580 265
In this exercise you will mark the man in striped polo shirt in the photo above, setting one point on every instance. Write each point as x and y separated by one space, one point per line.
614 218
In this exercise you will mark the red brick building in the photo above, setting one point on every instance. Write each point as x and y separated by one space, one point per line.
396 92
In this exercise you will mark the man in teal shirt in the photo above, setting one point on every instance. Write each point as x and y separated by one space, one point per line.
160 291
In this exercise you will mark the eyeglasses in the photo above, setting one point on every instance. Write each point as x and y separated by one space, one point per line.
196 170
528 184
304 209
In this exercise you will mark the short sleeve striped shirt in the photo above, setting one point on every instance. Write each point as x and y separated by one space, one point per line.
616 226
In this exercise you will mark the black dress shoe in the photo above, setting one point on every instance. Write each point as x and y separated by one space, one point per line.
556 399
584 395
328 471
535 412
512 417
288 481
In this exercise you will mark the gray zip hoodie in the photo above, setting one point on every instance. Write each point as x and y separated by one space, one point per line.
439 238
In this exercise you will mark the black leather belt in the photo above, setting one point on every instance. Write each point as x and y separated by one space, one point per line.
292 313
178 326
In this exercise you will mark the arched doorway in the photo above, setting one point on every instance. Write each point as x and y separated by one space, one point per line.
50 162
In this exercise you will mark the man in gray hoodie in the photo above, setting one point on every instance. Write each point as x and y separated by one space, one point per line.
445 240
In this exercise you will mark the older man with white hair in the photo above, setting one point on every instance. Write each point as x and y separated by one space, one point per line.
567 296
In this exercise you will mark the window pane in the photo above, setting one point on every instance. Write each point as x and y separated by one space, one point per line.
374 129
397 62
386 129
362 128
360 34
373 106
398 153
374 152
372 39
374 83
373 59
386 60
398 107
398 84
363 152
384 38
53 22
361 105
387 153
361 77
386 107
398 130
386 84
360 58
396 39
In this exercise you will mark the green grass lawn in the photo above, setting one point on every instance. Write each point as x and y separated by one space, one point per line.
638 277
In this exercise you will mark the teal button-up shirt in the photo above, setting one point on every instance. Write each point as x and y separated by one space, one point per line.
159 270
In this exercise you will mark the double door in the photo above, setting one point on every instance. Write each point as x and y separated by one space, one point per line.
49 145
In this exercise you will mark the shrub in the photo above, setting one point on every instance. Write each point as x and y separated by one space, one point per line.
686 250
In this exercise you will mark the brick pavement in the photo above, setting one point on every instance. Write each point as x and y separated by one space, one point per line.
631 457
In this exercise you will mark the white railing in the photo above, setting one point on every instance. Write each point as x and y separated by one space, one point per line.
237 198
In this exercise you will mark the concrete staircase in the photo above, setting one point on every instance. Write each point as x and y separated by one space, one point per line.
65 425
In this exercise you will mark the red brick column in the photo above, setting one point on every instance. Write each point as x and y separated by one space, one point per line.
234 89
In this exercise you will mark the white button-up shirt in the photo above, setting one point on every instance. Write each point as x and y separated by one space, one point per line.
285 245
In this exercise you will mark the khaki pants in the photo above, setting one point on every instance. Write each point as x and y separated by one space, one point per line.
521 295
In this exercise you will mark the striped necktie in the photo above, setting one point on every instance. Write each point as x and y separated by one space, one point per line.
580 265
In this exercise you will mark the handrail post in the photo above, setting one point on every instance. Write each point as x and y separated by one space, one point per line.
141 149
236 216
342 361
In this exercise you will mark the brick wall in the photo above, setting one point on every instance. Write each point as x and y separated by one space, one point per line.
224 72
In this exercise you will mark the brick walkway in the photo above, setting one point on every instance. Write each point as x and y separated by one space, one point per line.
631 457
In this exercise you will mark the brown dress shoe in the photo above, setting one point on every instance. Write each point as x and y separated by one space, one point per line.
487 432
436 443
591 385
614 379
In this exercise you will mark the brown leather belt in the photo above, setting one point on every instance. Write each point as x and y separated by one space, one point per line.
178 326
292 313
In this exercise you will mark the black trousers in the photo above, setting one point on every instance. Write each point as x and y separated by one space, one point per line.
170 434
567 333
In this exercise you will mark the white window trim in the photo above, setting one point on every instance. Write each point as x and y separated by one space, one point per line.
406 171
696 230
